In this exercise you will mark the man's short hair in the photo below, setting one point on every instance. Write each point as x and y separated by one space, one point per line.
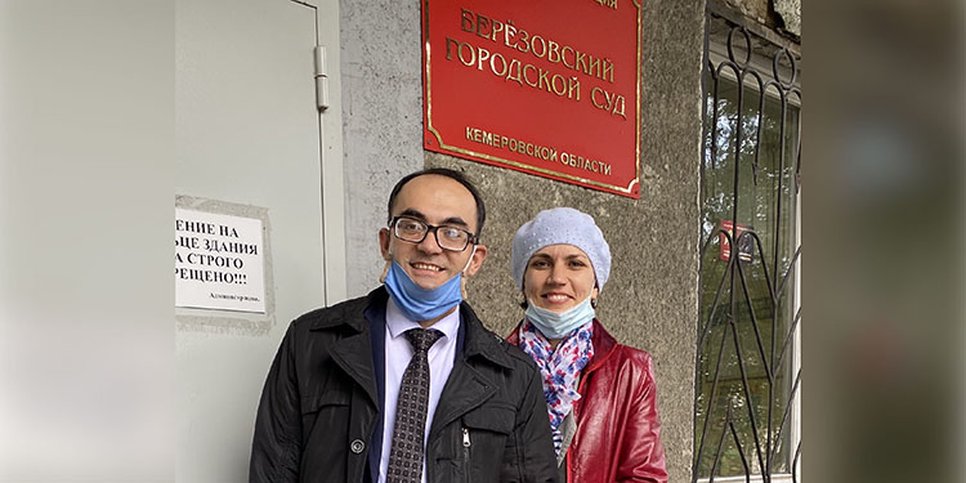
449 173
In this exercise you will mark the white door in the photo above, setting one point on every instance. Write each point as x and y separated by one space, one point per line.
249 141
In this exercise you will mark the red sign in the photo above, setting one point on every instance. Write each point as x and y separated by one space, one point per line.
746 244
550 88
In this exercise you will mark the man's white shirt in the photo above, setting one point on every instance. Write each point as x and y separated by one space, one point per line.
398 354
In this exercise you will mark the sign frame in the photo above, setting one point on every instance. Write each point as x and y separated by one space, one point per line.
434 139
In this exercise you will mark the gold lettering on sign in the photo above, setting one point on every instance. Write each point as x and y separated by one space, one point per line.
607 101
513 145
586 164
540 46
607 3
545 153
513 70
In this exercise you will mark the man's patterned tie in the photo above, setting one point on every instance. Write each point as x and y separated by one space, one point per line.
406 455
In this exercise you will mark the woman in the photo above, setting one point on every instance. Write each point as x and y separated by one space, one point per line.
601 395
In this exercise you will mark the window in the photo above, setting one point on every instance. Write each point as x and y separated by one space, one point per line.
748 369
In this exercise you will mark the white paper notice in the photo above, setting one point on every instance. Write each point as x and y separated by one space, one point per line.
218 262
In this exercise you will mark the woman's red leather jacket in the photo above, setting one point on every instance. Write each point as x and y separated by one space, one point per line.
618 434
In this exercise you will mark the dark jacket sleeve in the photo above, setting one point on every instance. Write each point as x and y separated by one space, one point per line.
536 460
277 444
642 455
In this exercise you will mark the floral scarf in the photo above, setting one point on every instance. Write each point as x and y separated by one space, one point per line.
559 368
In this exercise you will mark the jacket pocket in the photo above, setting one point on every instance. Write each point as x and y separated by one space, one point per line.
311 404
482 440
325 425
325 417
496 419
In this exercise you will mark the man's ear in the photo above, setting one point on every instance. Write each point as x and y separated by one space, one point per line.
384 238
476 261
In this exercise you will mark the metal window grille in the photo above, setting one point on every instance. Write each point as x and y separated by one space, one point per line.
748 369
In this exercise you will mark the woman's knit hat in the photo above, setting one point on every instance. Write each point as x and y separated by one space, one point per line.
558 226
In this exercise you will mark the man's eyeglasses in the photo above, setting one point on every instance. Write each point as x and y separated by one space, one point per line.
448 237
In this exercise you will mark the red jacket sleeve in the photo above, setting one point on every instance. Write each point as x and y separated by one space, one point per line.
642 455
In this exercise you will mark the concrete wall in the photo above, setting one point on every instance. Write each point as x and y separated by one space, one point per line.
651 299
778 15
382 115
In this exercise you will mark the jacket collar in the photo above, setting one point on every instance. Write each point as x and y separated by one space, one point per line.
604 344
477 340
371 305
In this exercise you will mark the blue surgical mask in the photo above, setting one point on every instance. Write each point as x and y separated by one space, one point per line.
420 304
557 326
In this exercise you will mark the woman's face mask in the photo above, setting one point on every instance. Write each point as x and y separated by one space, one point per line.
555 325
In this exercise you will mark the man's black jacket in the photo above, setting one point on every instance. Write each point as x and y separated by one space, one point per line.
319 414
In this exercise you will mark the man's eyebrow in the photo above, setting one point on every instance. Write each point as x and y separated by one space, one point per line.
453 220
411 213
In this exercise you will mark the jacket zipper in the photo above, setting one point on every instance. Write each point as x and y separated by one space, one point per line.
466 454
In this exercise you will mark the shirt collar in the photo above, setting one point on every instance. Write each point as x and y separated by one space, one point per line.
398 323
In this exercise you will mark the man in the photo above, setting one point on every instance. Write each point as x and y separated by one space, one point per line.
405 384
